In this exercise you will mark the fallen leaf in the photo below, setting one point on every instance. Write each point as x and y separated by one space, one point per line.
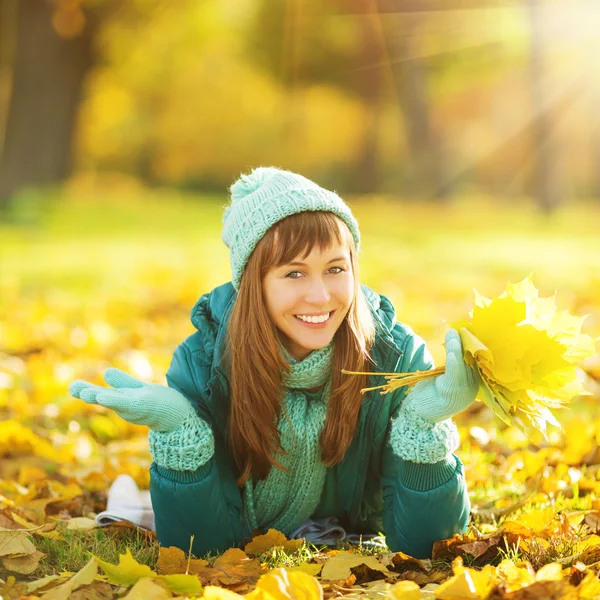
39 584
6 520
341 565
548 590
467 584
375 590
589 588
365 574
592 520
400 562
15 542
148 589
183 584
97 590
280 584
550 572
25 565
84 577
231 568
481 549
271 539
308 568
173 560
127 572
11 590
405 590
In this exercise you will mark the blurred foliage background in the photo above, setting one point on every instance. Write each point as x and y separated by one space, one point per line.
428 99
463 133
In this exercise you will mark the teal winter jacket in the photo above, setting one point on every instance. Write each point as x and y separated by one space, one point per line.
371 490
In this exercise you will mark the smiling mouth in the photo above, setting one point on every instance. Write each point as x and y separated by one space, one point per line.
315 320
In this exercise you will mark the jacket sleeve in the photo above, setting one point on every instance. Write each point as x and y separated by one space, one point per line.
192 482
424 490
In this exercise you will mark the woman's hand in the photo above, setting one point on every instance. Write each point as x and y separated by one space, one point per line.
448 394
158 407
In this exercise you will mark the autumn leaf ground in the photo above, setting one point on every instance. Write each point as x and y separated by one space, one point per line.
91 280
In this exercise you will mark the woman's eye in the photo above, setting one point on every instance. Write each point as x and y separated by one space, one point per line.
291 274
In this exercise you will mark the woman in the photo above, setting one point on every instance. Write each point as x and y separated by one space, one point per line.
259 428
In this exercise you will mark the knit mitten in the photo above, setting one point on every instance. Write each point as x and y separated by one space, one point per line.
439 398
186 448
158 407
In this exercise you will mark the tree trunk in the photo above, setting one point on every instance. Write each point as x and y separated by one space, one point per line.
410 80
364 178
48 72
546 178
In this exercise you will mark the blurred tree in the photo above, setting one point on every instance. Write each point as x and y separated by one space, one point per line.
547 183
400 21
54 51
306 44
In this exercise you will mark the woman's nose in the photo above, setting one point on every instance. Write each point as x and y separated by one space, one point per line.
318 293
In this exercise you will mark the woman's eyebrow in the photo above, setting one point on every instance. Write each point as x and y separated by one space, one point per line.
301 264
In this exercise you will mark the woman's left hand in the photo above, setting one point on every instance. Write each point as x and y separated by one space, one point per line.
441 397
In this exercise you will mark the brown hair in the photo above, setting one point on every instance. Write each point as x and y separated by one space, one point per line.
256 365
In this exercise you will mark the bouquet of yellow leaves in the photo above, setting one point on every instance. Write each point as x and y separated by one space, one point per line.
526 353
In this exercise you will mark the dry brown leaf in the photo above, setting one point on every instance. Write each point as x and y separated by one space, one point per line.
340 566
483 550
40 584
271 539
400 562
231 568
444 549
365 574
6 520
592 520
148 589
173 560
25 565
97 590
84 577
548 590
11 590
15 542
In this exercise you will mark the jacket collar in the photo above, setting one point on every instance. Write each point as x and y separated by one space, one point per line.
216 308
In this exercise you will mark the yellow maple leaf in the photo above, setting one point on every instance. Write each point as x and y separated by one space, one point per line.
340 565
526 353
271 539
127 572
281 584
466 583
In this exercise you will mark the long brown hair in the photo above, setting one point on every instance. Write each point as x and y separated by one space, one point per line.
256 365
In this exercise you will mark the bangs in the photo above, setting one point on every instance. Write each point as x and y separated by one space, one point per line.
297 235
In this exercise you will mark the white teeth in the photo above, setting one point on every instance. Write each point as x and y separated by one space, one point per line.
320 319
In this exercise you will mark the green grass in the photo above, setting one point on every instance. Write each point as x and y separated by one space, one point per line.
75 550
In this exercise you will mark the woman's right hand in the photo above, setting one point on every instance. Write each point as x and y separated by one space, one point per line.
158 407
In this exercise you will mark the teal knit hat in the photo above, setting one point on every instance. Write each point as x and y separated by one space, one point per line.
264 197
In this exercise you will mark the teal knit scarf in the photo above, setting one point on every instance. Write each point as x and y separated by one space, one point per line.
286 499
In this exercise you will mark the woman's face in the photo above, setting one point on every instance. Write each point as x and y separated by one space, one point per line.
309 298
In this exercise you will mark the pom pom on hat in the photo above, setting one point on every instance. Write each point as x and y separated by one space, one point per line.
265 196
247 184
